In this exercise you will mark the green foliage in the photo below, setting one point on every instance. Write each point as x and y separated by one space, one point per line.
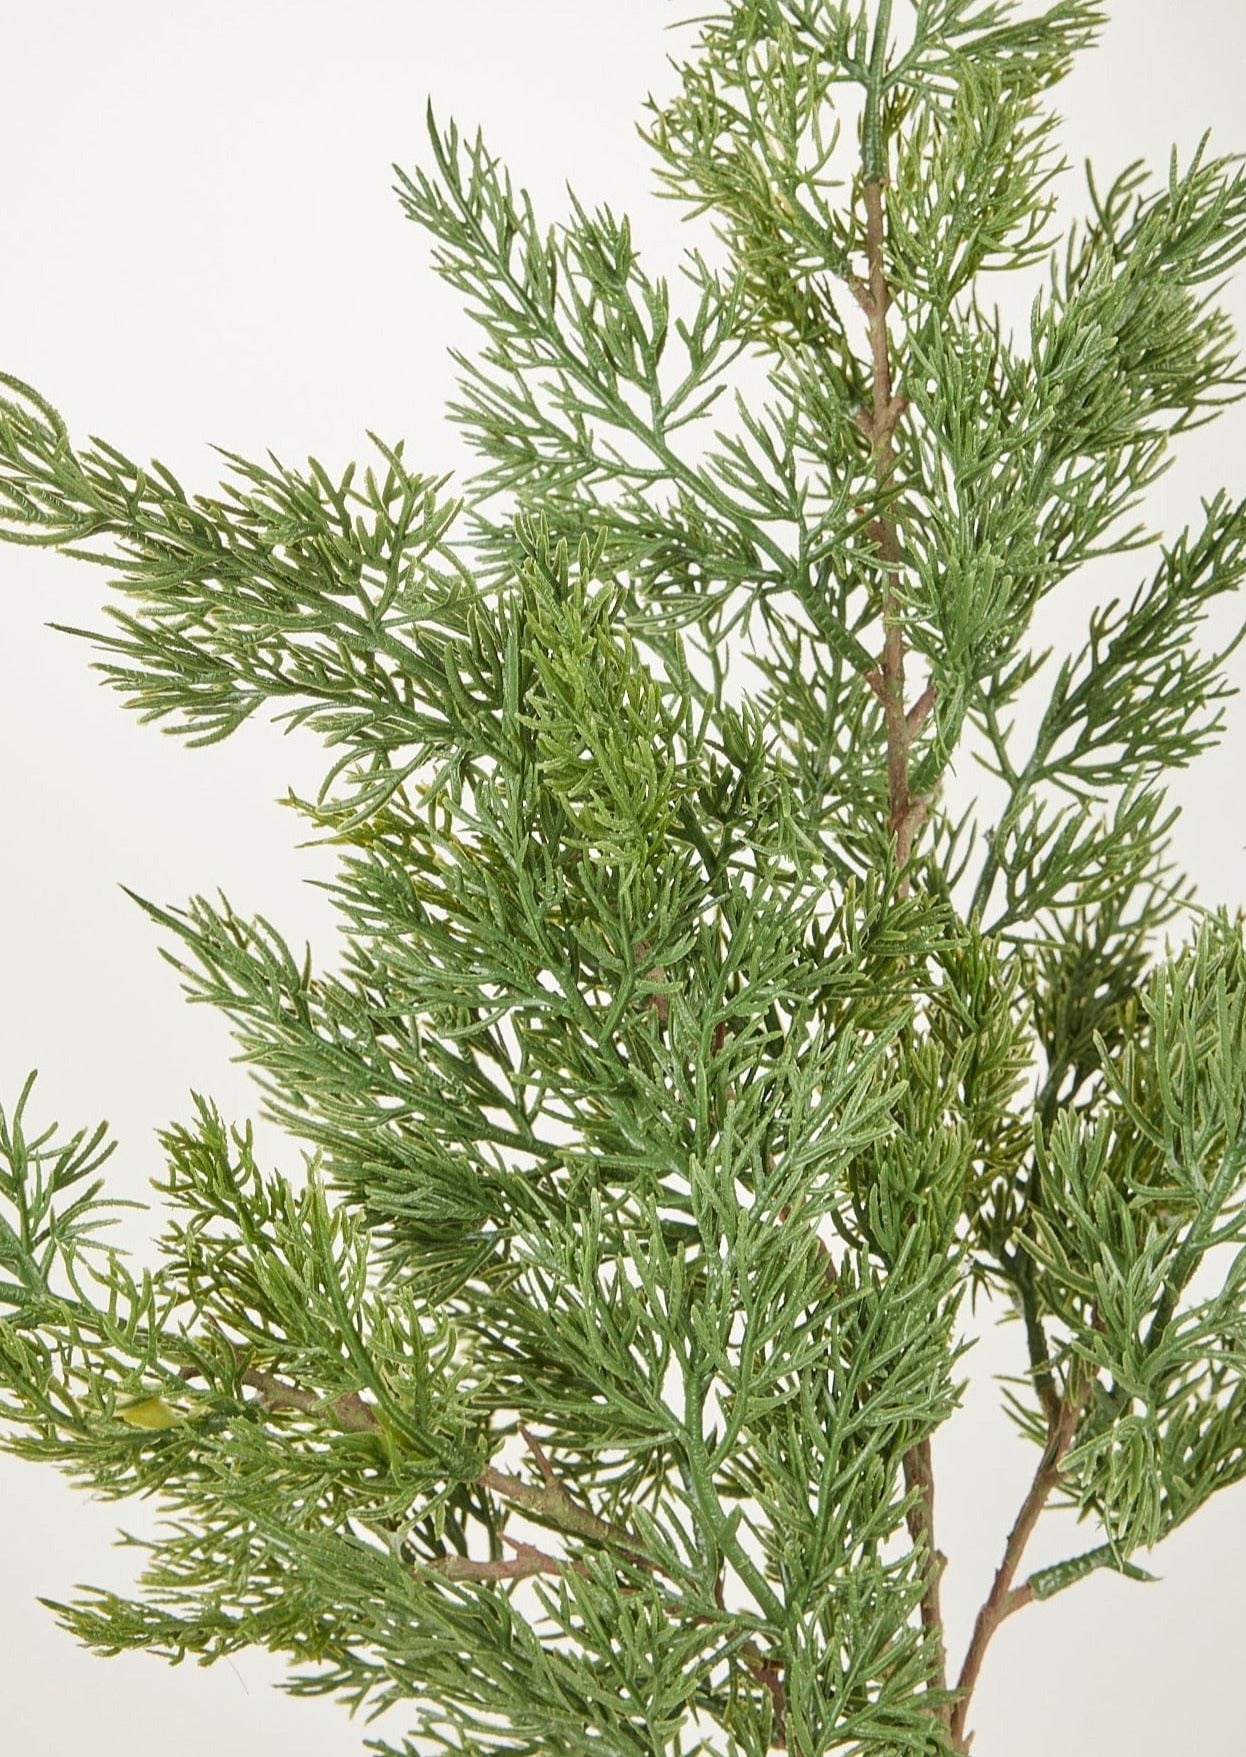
661 1111
1140 1192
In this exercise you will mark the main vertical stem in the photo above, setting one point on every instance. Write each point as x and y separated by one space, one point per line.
904 814
882 431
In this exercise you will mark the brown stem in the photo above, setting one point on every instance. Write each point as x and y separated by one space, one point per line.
919 1476
884 461
540 1458
772 1677
553 1504
905 814
1003 1599
919 713
527 1561
661 1003
350 1410
886 412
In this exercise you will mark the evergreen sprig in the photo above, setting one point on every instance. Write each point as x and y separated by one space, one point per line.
688 1059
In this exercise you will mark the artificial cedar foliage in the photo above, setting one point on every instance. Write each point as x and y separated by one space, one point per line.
690 1061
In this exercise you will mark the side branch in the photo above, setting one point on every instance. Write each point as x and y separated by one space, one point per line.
1003 1599
551 1504
526 1561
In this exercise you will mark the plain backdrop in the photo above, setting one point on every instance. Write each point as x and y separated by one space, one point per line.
199 242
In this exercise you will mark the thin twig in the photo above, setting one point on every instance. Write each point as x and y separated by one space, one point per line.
661 1003
919 713
528 1560
1003 1599
349 1409
859 291
542 1462
772 1677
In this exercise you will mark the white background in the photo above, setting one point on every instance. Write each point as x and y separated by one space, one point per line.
198 242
